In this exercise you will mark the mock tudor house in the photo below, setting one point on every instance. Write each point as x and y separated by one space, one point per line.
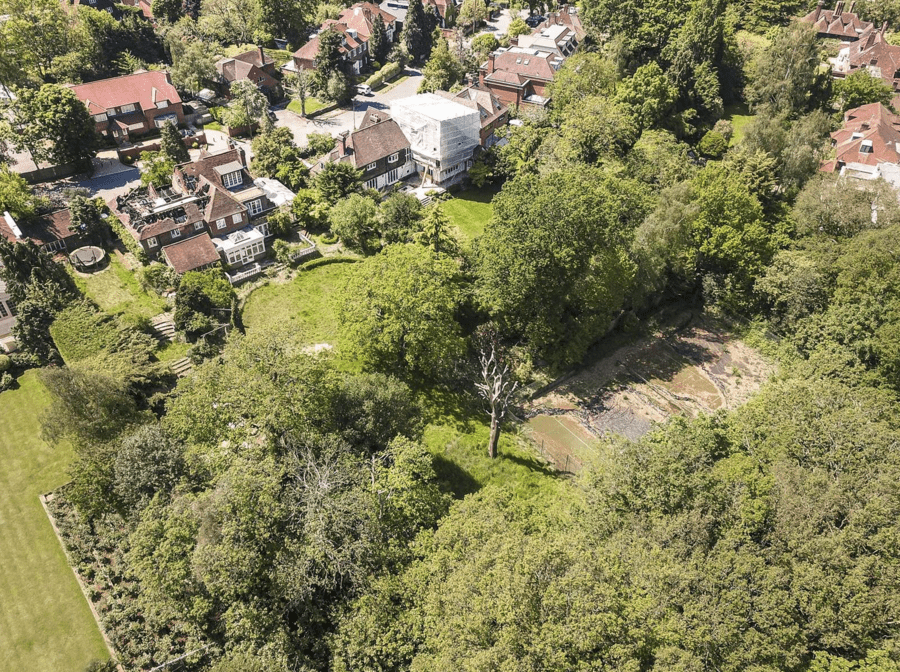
837 23
131 105
379 149
51 231
355 25
493 113
252 66
519 76
213 211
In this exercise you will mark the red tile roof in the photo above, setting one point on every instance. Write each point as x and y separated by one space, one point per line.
367 145
45 229
146 88
873 53
837 23
870 135
191 254
516 66
221 204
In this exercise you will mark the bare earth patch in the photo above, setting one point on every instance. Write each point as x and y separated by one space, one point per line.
699 368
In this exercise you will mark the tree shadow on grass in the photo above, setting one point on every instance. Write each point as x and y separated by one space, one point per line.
531 464
456 480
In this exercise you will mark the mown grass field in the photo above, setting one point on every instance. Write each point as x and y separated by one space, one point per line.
306 303
45 622
470 211
739 116
117 291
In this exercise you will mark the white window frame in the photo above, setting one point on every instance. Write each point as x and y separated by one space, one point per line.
126 109
220 224
263 228
175 233
393 158
371 166
4 313
236 219
198 226
152 242
254 207
372 184
55 245
232 179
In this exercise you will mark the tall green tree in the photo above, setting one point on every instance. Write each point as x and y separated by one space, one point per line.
378 42
54 125
247 106
416 35
398 311
193 66
860 88
36 32
337 180
443 69
172 145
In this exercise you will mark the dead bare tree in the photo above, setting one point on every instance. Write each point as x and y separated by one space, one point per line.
495 385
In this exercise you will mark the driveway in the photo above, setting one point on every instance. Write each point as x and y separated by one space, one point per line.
347 119
500 25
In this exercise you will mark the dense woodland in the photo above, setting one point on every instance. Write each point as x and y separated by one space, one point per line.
280 505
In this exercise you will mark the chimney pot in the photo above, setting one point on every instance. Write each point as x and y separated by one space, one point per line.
884 28
490 62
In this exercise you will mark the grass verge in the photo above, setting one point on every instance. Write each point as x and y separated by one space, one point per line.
45 623
312 105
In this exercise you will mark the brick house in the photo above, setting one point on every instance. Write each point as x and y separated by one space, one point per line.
355 25
50 231
493 113
870 136
519 76
213 197
253 66
131 105
379 149
873 53
567 15
837 23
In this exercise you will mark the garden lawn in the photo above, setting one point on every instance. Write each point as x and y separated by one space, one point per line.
470 211
307 303
739 116
312 105
116 290
45 622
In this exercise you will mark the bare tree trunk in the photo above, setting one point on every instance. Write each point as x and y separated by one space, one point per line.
495 435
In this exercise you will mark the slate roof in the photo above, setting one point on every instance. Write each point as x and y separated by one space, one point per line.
192 253
145 88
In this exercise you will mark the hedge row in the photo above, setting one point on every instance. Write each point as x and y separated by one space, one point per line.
127 239
386 74
325 261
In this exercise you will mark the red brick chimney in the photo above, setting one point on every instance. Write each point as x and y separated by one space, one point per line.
839 9
262 57
343 136
884 28
852 7
490 63
819 7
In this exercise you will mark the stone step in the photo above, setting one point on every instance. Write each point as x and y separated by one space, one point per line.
182 367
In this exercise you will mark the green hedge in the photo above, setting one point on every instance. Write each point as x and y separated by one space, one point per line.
325 261
127 239
387 73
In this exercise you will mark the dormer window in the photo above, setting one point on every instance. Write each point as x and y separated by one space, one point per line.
232 179
866 147
152 242
393 158
175 233
371 166
126 109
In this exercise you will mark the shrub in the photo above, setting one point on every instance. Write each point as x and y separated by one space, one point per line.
5 363
329 239
319 143
127 239
159 277
390 71
326 261
7 382
713 145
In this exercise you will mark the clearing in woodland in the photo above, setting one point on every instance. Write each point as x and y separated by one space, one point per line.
697 367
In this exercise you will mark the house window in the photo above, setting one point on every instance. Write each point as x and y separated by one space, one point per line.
126 109
175 233
152 242
371 166
198 225
393 158
55 245
372 184
255 207
100 117
263 228
3 311
220 223
236 219
232 179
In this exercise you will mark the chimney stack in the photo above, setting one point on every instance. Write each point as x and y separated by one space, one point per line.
490 63
262 57
819 7
343 136
839 9
852 7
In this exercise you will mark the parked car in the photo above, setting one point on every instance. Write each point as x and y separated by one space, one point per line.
535 20
364 90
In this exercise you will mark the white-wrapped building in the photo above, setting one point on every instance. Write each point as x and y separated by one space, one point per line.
443 134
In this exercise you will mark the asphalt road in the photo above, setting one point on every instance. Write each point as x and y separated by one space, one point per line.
347 119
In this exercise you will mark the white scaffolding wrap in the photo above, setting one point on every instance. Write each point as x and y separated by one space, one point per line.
442 133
